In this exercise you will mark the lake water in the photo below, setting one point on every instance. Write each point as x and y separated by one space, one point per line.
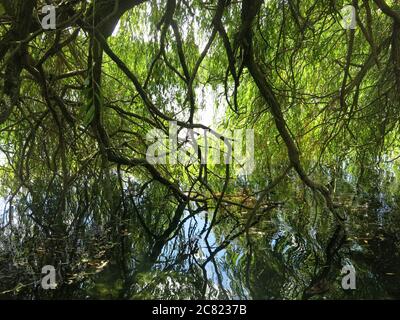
295 249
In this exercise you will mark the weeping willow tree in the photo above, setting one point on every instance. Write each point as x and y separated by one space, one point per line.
78 104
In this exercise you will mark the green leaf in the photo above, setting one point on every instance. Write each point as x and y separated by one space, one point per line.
89 116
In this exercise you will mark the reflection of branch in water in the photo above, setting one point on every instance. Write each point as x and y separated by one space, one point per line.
211 258
320 283
252 215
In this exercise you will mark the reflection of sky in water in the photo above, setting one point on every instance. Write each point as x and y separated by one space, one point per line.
192 229
3 216
3 158
276 237
4 212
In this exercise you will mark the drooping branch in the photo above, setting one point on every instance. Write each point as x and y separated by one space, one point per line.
249 11
22 19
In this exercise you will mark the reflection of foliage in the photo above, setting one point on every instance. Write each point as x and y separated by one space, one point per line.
77 103
166 285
